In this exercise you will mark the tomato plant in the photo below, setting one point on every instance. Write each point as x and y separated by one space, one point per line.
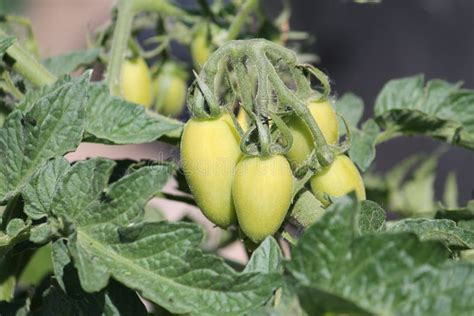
271 162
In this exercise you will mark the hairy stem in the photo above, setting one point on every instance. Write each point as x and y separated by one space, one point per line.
27 65
122 31
240 19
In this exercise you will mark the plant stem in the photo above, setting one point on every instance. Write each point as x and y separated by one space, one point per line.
26 65
122 32
386 136
161 6
237 24
10 86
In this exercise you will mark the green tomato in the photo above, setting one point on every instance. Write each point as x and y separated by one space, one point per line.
262 191
200 47
210 151
325 117
338 179
170 90
135 82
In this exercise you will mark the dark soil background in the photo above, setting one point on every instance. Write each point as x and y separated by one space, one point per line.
362 46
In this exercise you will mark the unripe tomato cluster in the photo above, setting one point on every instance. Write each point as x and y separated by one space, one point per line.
168 89
255 192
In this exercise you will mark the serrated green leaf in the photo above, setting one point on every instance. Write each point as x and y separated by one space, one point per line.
443 230
399 94
362 150
469 224
285 302
267 258
161 260
440 110
32 96
38 192
351 107
53 127
67 63
382 274
114 120
80 187
371 217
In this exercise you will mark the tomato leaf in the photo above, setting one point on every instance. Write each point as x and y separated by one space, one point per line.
28 140
371 218
341 272
440 109
162 261
38 193
443 230
351 107
362 150
267 258
67 63
113 120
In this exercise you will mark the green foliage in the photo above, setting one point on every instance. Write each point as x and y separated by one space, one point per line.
69 62
438 109
343 271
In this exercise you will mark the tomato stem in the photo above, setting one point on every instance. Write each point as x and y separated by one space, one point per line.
239 21
120 38
27 65
160 6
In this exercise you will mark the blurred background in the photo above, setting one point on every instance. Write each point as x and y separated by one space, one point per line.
361 47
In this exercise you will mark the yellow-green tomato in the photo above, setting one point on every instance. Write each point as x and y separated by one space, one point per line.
325 117
170 91
262 192
200 48
209 153
338 179
135 82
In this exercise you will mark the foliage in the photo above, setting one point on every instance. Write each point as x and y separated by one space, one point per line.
80 237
